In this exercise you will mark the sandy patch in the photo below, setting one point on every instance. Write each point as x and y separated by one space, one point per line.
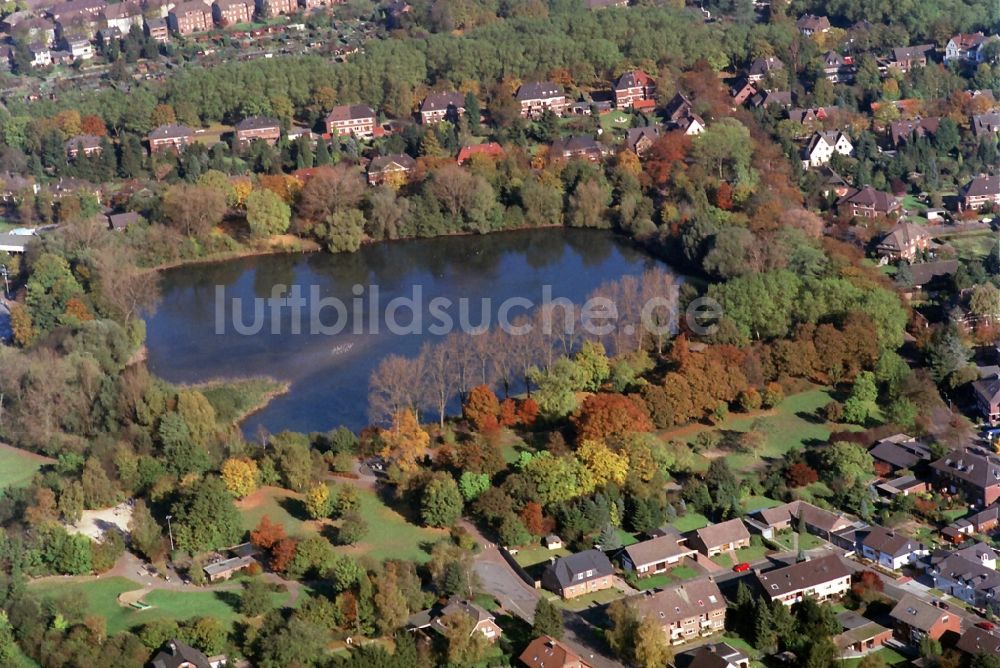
94 523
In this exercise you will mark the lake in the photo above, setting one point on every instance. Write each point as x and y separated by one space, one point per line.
192 339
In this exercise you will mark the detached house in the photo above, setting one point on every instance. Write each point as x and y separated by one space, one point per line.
578 574
87 144
442 106
657 555
187 18
635 89
537 96
986 124
547 652
867 203
976 641
761 67
123 15
639 140
823 145
718 538
901 132
915 619
980 192
715 655
390 168
817 521
984 521
906 58
889 549
742 90
582 147
903 242
351 119
963 46
838 68
820 579
170 138
686 611
437 619
258 128
176 654
810 25
965 579
974 471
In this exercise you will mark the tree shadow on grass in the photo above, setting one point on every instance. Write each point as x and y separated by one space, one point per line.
811 418
230 597
295 508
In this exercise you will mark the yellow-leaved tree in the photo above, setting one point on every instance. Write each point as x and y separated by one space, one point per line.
240 475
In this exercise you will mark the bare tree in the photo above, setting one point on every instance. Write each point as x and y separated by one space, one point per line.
329 190
124 290
394 385
440 375
194 209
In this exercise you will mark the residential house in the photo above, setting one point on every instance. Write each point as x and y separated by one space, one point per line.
272 8
123 15
976 641
906 58
860 635
691 125
87 144
37 31
915 619
714 655
809 115
974 471
582 147
902 486
639 140
187 18
903 242
158 30
437 619
80 48
867 203
718 538
351 119
547 652
231 12
830 181
442 106
980 553
686 611
635 89
817 521
60 57
967 579
656 555
809 24
223 569
490 149
888 548
119 222
73 8
820 579
394 169
552 542
901 132
771 98
41 55
982 522
963 46
742 90
823 145
170 138
838 68
980 192
258 128
176 654
537 96
986 124
677 109
578 574
899 451
762 67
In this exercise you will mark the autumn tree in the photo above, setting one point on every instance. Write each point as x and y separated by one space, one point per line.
482 408
319 501
240 475
406 442
604 464
267 213
604 415
193 209
267 534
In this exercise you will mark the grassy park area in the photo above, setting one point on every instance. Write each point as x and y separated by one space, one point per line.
18 466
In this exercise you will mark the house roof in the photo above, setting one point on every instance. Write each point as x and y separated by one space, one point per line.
171 132
959 569
539 90
716 655
119 221
572 568
86 141
383 162
672 604
982 186
819 518
656 550
967 40
547 652
122 10
176 654
869 197
257 123
463 607
724 532
900 455
916 613
634 135
986 122
491 149
977 552
901 235
226 565
812 22
900 131
442 100
888 541
910 52
924 272
350 112
634 79
976 467
764 66
193 7
576 144
979 641
810 114
802 575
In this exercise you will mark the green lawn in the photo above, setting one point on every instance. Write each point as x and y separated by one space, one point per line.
17 467
626 538
747 554
690 521
891 657
673 576
390 535
529 556
616 121
277 504
597 598
807 541
753 503
101 598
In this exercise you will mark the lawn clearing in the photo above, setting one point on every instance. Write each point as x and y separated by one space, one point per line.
529 556
278 504
390 535
689 521
602 597
672 576
753 503
807 541
746 554
17 466
891 657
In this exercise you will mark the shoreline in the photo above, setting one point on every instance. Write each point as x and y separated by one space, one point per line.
281 387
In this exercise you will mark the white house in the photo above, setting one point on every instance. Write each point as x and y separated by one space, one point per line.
820 579
889 549
823 145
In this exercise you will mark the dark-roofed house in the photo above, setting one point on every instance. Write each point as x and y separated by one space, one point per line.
225 568
986 124
258 128
976 641
823 145
967 579
900 451
742 90
351 119
390 169
158 29
809 24
537 96
442 106
838 68
974 471
860 635
685 611
817 521
547 652
821 579
635 89
984 521
170 138
809 115
906 58
915 619
904 241
483 621
901 132
714 655
926 273
656 555
639 140
980 192
121 221
963 46
578 574
888 548
867 203
77 7
176 654
89 144
761 67
772 98
583 147
987 393
722 537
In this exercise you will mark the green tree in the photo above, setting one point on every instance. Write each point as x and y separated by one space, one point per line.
256 598
548 620
267 213
861 405
472 485
205 517
146 534
441 502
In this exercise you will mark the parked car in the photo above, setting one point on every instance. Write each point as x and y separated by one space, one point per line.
986 626
741 568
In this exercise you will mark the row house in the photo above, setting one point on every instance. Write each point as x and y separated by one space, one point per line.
635 89
86 144
904 242
980 192
888 548
188 18
393 169
231 12
963 46
915 619
657 555
351 120
820 579
123 15
685 611
823 145
579 574
582 147
982 522
973 471
722 537
258 128
74 7
907 58
867 203
170 138
272 8
442 106
965 579
538 96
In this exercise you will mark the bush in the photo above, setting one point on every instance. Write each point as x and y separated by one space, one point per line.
833 411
